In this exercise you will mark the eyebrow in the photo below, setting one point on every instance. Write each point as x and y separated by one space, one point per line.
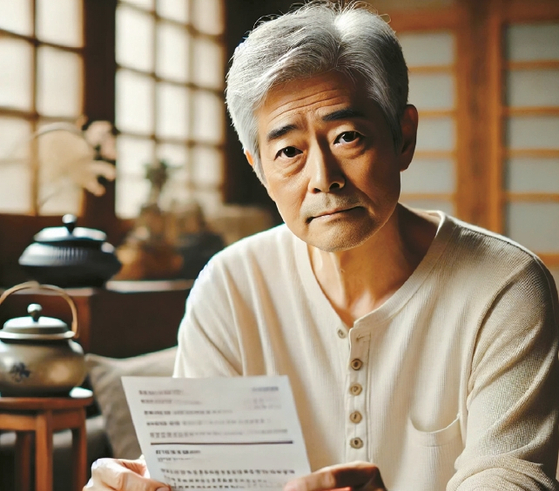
347 113
279 132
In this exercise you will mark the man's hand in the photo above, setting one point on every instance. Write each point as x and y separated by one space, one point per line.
360 476
122 475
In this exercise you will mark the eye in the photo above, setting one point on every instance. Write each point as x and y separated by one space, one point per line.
348 137
289 152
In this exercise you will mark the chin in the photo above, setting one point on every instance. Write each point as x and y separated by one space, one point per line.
341 240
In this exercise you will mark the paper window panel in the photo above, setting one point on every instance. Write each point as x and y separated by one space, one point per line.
432 91
208 16
208 166
16 60
15 165
59 83
429 176
176 10
532 175
15 16
134 154
15 135
533 88
131 194
134 102
436 134
173 47
534 225
134 38
430 204
60 22
532 42
208 117
533 132
15 187
172 111
428 49
208 64
174 155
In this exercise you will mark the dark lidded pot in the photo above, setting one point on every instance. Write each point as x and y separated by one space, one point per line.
37 354
70 256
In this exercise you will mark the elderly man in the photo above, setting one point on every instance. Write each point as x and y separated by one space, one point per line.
419 348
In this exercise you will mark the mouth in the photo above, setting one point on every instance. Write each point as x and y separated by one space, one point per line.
332 213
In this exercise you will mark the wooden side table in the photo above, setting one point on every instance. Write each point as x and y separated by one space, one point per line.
42 416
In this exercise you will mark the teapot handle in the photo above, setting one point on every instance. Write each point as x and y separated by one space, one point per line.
57 289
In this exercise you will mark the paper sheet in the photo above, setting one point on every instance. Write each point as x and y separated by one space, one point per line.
218 433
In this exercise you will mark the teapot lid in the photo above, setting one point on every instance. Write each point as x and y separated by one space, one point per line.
35 327
69 232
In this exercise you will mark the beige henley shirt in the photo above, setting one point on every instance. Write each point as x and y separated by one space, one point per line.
450 384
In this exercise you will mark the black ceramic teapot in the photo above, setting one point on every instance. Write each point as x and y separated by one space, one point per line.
70 256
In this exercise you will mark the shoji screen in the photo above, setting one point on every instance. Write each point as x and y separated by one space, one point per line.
41 81
169 100
530 144
430 181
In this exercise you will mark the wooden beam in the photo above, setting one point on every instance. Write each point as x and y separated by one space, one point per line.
495 109
532 197
473 117
424 20
532 65
521 11
530 111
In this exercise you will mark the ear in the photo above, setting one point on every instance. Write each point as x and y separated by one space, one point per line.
251 161
248 156
408 125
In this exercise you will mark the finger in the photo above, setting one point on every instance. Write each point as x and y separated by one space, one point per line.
354 476
122 475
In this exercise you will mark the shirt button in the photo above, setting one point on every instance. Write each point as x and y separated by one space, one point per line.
355 417
341 333
355 389
356 443
356 363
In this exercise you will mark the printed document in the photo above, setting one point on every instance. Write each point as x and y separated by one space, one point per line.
218 433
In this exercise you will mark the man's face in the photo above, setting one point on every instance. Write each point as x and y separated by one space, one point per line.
329 160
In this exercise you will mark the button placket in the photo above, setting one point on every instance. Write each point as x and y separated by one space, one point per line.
357 394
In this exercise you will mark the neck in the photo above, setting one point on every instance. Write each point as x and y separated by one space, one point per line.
359 280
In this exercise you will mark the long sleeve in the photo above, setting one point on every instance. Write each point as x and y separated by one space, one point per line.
459 375
206 346
511 438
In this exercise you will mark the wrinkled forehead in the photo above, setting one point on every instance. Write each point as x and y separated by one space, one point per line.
318 94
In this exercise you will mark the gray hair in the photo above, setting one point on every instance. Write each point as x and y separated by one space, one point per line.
316 38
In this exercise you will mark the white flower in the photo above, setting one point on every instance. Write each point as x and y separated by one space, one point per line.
67 154
99 135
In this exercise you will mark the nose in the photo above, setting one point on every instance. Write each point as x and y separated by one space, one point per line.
325 173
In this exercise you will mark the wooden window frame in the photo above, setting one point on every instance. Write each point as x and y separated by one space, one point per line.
189 142
503 13
32 115
480 153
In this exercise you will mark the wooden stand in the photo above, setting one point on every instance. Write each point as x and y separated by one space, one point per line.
42 416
